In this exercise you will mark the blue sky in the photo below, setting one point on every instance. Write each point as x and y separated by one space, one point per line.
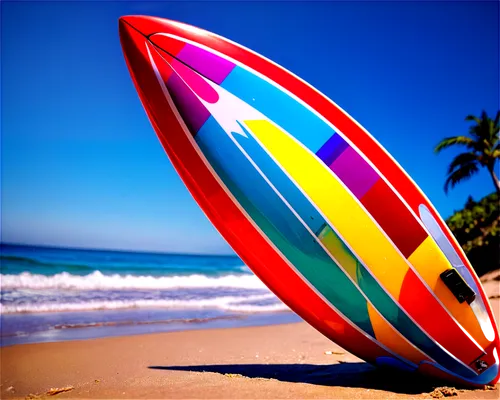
81 165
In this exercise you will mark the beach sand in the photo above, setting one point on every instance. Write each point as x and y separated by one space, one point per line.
279 361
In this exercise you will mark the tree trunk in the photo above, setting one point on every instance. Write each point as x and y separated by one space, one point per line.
496 182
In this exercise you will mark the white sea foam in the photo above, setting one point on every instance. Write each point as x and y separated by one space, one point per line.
99 281
229 303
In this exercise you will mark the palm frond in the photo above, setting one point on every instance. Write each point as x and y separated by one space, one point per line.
463 159
483 144
481 128
495 133
484 116
459 175
452 141
491 132
471 117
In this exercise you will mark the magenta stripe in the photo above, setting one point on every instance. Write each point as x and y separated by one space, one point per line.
354 172
208 64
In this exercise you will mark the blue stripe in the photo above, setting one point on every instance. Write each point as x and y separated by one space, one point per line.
279 107
333 148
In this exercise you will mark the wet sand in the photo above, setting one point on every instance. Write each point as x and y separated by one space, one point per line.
279 361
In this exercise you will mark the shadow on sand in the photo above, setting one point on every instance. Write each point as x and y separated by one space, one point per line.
359 375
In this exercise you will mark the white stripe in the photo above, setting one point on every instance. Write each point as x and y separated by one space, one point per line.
347 140
237 106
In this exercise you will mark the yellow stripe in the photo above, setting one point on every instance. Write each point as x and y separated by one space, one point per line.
337 204
388 336
349 219
430 262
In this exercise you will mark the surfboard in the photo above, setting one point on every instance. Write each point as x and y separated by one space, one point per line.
313 204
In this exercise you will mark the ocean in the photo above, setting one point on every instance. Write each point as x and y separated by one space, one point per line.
55 294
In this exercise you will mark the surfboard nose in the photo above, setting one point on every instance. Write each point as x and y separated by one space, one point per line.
132 39
184 70
149 70
135 34
145 25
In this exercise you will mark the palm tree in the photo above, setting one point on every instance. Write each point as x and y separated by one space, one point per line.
483 150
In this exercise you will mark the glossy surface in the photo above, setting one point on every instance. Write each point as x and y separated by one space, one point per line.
311 203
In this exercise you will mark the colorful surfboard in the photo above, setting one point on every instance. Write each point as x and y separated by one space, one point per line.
321 213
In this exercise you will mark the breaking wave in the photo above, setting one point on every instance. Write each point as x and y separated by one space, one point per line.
228 303
98 281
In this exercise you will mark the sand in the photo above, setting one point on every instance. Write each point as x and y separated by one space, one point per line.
279 361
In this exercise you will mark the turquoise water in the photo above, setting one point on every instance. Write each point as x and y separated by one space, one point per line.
50 261
50 294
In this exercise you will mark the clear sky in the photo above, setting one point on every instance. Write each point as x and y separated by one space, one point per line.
81 165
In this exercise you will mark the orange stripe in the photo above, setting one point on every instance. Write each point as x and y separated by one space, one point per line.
388 336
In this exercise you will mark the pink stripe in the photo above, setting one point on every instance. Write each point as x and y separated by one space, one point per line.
195 82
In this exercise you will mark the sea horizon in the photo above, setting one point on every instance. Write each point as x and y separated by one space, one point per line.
163 252
53 293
